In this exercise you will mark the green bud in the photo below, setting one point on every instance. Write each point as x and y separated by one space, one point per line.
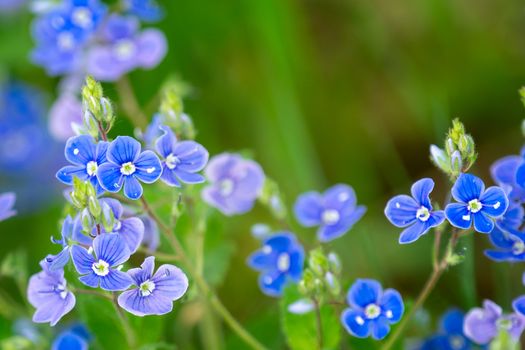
90 123
456 163
107 217
107 111
334 287
457 130
94 206
335 262
271 198
87 221
440 158
450 146
318 262
78 195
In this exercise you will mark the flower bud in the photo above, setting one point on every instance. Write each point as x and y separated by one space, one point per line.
456 163
450 146
87 221
107 217
94 206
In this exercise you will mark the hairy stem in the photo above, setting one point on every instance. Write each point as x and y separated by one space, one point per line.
318 323
216 304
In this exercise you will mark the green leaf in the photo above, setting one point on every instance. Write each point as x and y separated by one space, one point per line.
301 330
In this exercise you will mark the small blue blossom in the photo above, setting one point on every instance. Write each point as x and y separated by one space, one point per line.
415 212
450 335
155 293
146 10
475 204
126 166
76 337
280 262
181 160
103 269
123 48
47 292
335 211
504 173
235 183
131 229
7 201
510 246
371 310
481 325
86 155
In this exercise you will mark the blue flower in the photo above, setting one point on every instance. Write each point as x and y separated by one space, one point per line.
86 155
146 10
48 293
155 293
504 173
280 261
7 201
110 252
335 211
126 166
76 337
131 229
415 212
181 160
235 183
475 204
371 310
71 232
450 335
510 245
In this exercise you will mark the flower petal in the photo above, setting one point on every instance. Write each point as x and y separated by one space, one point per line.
192 155
338 196
144 272
132 231
452 321
328 233
123 149
189 178
168 177
80 149
148 167
272 284
132 188
115 280
82 260
355 323
503 170
494 201
110 177
501 239
166 142
67 173
412 233
91 279
152 47
392 305
482 223
421 191
60 260
170 282
401 210
133 302
380 328
458 215
467 187
308 209
53 311
363 293
111 248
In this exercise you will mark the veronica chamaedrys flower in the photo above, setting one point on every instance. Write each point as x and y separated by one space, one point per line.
125 48
181 159
475 204
509 246
7 201
371 310
415 212
126 166
235 183
103 269
76 337
146 10
280 261
131 229
335 211
481 325
86 156
155 293
71 233
504 173
450 335
48 293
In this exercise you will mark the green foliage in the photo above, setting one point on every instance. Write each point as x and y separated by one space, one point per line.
301 330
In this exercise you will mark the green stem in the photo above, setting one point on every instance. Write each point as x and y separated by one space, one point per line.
129 103
216 304
318 323
128 331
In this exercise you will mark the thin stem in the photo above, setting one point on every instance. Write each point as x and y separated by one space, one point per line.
103 133
93 292
318 323
129 103
201 283
159 255
128 331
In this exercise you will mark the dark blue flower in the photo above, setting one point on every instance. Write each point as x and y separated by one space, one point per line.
86 155
76 337
450 335
103 269
155 293
146 10
181 160
371 310
415 212
280 261
235 183
47 292
131 229
335 211
126 166
475 204
7 201
510 245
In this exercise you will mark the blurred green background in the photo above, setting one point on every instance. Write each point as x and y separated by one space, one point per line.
323 92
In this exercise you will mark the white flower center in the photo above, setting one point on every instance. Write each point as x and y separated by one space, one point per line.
518 248
283 262
474 206
330 216
372 311
91 168
172 161
65 41
423 214
226 187
146 288
82 17
124 49
127 168
101 268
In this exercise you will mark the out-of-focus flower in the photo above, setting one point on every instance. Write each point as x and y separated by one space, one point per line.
450 335
76 337
10 6
7 201
146 10
510 246
504 173
65 116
